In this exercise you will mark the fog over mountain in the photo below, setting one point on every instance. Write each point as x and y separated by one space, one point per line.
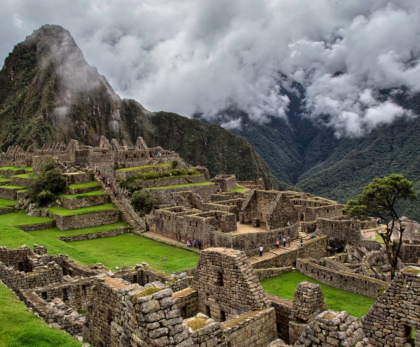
192 57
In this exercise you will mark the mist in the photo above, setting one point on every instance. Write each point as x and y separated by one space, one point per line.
192 57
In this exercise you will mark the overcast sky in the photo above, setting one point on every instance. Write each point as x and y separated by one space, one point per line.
190 56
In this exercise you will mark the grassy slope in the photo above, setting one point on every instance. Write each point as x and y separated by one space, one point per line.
94 193
19 328
7 203
184 185
133 249
85 185
62 211
20 218
336 299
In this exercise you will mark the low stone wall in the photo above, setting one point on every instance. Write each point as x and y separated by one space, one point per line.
87 201
6 210
20 181
79 177
257 330
9 194
76 191
17 280
315 248
371 245
109 233
22 195
55 312
165 196
40 226
283 309
410 253
187 302
10 173
334 265
263 274
133 214
86 220
343 280
171 181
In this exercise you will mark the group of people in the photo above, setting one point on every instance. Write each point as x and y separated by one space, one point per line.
288 241
193 243
166 152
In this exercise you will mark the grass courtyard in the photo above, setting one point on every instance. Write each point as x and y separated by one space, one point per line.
336 299
19 328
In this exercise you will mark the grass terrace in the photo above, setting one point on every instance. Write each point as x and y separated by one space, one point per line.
128 250
7 203
14 187
136 168
238 189
22 190
11 168
20 218
184 185
94 193
164 165
5 179
19 328
336 299
28 175
62 211
85 185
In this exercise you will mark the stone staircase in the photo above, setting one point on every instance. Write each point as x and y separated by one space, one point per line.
118 203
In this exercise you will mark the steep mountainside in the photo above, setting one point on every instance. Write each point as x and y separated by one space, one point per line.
48 92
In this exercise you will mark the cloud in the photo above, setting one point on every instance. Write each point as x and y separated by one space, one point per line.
191 56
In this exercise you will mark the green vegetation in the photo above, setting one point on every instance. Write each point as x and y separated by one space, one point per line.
164 165
62 211
10 168
20 218
28 175
19 328
238 189
128 250
94 193
7 203
184 185
136 168
148 291
13 187
381 199
5 179
338 300
91 184
143 202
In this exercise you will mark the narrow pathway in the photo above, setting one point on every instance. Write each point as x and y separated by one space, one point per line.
163 238
117 202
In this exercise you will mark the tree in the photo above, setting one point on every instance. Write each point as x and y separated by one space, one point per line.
381 199
143 202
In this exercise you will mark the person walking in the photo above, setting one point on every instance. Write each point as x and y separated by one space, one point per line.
261 251
288 224
301 242
278 244
199 244
194 243
288 241
284 242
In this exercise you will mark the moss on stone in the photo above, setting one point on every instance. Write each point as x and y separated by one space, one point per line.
197 323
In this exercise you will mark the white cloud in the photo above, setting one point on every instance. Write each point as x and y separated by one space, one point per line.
191 56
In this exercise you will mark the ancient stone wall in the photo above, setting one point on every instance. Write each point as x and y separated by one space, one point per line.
340 279
263 274
165 196
187 302
283 309
17 258
340 232
226 182
40 226
308 227
410 253
86 201
110 233
256 330
7 193
396 312
85 220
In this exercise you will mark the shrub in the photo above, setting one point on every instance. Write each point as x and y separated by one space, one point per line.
49 165
54 181
175 172
129 183
167 173
143 202
174 164
182 172
45 197
192 172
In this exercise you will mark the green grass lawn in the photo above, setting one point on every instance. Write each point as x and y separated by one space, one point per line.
164 165
11 168
7 203
94 193
20 218
136 168
5 179
85 185
62 211
28 175
19 328
238 189
336 299
13 187
134 249
184 185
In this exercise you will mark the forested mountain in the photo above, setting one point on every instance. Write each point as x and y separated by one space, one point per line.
49 93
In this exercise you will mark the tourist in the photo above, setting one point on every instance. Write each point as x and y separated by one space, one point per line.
278 244
188 243
284 241
312 236
194 243
199 245
301 242
288 241
261 251
288 224
378 222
